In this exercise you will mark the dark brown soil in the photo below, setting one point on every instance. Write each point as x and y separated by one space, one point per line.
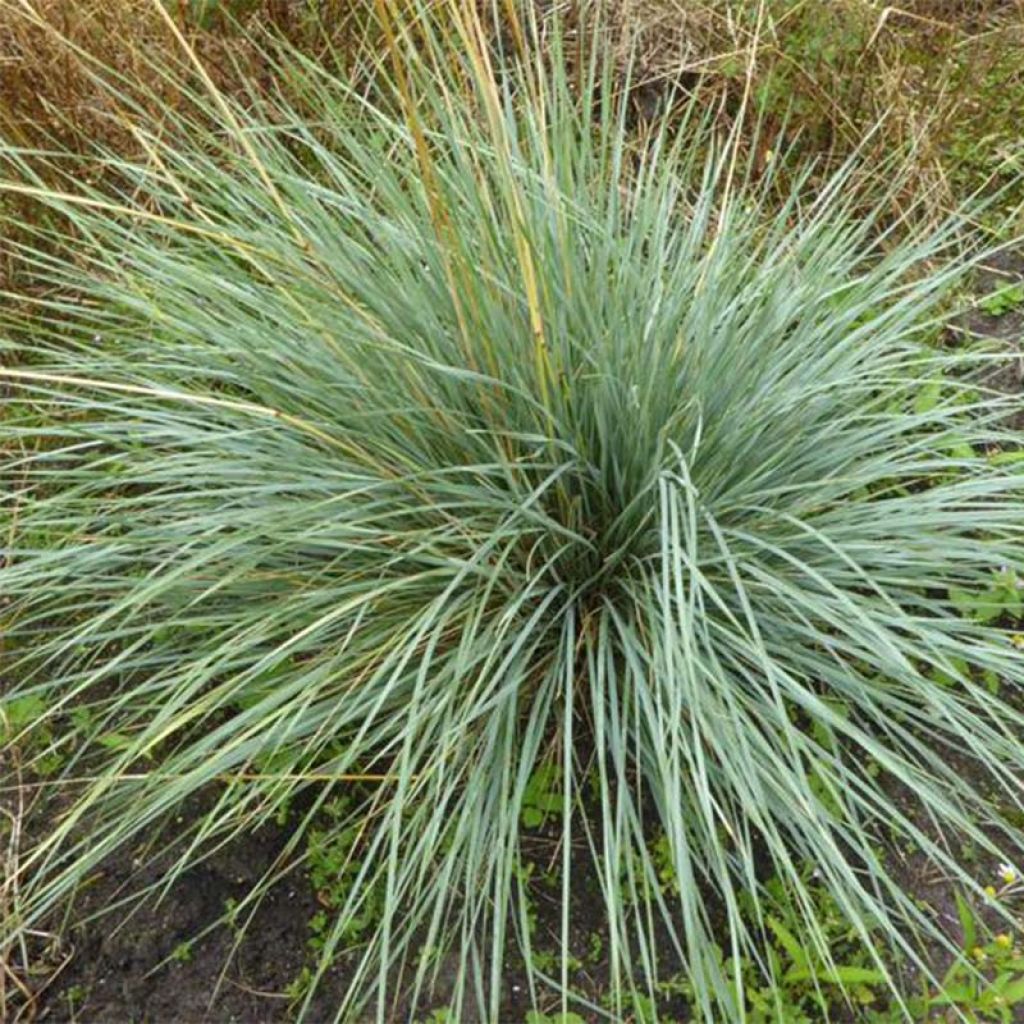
1006 268
114 973
123 966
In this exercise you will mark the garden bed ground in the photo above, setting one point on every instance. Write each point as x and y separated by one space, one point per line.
143 965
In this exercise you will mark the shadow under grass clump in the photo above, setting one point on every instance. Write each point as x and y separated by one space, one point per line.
426 444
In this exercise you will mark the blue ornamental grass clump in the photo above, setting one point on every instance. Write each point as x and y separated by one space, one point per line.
426 438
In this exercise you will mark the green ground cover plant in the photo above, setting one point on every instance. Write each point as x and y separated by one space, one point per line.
448 443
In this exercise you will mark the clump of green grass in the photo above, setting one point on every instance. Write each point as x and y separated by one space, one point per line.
419 441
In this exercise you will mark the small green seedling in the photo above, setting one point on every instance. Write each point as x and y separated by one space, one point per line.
334 868
542 795
23 719
1004 596
986 983
182 952
1003 300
